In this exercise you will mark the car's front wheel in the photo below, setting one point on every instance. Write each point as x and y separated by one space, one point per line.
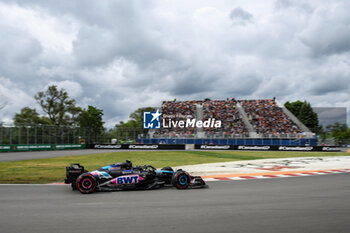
181 179
86 183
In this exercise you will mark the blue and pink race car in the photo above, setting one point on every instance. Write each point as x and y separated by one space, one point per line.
125 176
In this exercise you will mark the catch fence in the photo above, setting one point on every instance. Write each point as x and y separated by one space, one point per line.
47 134
51 134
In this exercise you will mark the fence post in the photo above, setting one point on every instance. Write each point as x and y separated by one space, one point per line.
50 134
73 135
87 140
35 134
19 135
56 134
42 135
27 135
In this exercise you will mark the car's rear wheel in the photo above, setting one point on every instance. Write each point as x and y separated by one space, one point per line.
181 180
86 183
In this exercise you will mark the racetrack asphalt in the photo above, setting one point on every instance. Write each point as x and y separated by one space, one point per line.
301 204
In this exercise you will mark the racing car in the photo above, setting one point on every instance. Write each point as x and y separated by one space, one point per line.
125 176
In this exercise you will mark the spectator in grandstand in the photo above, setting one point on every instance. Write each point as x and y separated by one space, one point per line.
223 110
264 115
267 118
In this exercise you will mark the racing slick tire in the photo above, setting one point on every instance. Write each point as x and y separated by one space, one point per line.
181 179
86 183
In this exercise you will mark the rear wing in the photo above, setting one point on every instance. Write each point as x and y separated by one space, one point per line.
73 172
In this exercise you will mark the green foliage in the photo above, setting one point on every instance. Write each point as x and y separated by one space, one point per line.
308 116
29 116
60 109
125 131
61 112
136 118
339 132
304 112
92 118
294 107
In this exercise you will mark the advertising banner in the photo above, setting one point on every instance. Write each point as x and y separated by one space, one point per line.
39 147
138 146
212 147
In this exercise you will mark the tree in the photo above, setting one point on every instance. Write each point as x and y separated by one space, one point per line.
29 116
294 107
129 130
304 112
339 131
60 109
308 117
136 118
92 118
137 115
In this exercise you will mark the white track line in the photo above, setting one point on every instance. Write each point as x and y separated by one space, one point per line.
271 176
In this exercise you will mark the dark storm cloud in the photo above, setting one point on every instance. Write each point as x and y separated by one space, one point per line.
328 31
238 86
18 52
240 16
94 46
123 35
191 82
331 85
299 5
331 41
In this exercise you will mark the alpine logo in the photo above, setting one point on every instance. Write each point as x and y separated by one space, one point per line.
100 174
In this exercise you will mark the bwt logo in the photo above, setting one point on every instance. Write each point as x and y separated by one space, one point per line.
151 120
127 180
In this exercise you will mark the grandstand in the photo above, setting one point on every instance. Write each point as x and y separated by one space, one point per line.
247 119
269 119
224 110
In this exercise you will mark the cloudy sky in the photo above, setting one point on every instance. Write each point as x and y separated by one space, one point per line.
122 55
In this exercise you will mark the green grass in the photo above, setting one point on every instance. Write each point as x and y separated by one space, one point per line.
53 169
